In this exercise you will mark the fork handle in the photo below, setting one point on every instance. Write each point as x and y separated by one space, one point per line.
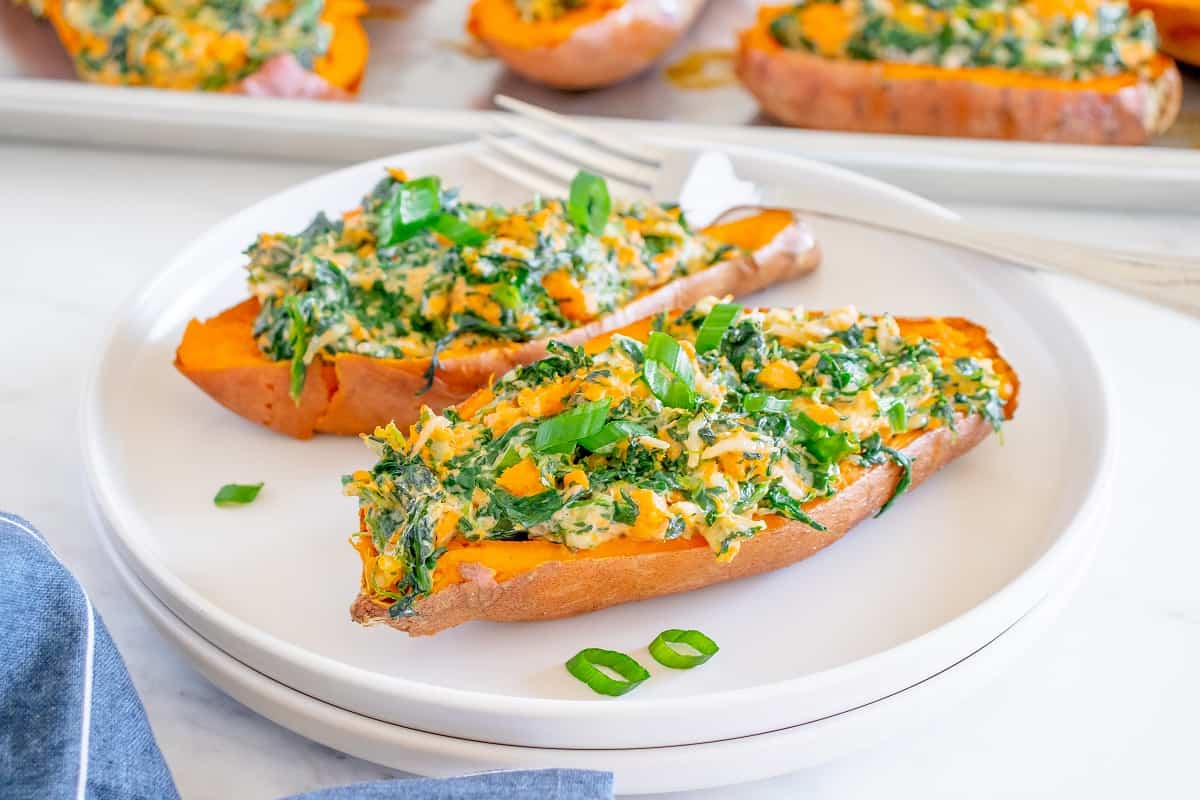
1168 280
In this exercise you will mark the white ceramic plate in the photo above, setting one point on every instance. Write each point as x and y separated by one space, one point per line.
901 598
658 769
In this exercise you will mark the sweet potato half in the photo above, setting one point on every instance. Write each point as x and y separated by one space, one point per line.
513 581
1178 23
601 42
351 394
810 91
334 75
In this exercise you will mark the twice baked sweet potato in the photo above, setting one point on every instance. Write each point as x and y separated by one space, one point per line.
820 87
349 393
587 554
584 44
1178 23
203 49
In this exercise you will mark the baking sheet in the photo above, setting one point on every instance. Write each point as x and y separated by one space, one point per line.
427 83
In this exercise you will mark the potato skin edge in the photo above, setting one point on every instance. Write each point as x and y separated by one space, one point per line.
352 394
808 91
604 51
568 588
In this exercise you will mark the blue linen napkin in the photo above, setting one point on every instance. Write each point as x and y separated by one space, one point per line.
72 724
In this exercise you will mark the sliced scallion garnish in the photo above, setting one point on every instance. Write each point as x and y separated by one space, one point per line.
585 665
898 417
759 402
458 231
668 656
409 210
668 372
714 326
613 432
298 333
237 494
666 387
589 204
560 433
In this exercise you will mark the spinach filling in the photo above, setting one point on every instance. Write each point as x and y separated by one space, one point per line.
781 410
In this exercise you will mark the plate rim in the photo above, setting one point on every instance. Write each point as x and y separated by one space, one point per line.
162 581
1041 616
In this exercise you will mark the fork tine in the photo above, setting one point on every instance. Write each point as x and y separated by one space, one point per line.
608 165
534 183
643 154
554 166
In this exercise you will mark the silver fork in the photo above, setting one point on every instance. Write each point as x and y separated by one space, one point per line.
548 149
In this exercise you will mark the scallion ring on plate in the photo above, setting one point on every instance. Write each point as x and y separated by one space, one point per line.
585 665
668 656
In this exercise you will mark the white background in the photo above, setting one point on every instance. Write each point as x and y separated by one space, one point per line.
1105 705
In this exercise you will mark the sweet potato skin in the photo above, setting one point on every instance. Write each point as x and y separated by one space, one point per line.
567 588
809 91
574 586
352 394
601 51
336 75
1178 24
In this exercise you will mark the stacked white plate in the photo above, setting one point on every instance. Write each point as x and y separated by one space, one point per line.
833 652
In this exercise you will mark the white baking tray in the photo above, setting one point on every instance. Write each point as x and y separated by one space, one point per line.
423 87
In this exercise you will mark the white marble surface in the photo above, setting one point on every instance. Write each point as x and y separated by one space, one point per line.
1104 706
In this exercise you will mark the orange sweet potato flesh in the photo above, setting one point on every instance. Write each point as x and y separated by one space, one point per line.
350 394
598 44
1178 24
528 581
341 68
809 91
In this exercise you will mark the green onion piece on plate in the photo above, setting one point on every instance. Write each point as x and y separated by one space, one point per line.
714 326
560 433
760 402
458 231
237 494
668 656
589 204
585 665
898 417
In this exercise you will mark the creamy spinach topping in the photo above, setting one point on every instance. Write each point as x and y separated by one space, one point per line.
651 440
416 272
184 44
1071 39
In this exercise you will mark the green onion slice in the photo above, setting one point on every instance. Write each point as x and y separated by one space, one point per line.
298 332
668 656
666 387
585 665
589 204
237 494
507 295
898 417
759 402
458 231
560 433
668 372
665 350
409 211
613 432
715 325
